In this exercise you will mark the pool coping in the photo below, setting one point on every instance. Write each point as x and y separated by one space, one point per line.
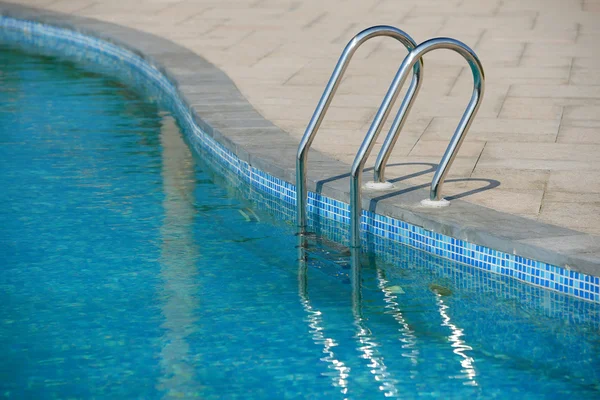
223 113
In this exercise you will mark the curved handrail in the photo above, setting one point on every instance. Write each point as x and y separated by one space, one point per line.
367 145
390 140
330 89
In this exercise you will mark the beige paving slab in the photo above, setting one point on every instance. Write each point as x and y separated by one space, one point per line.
528 164
574 215
536 5
510 20
587 61
71 6
576 134
569 197
574 182
543 61
549 36
539 151
359 114
555 91
538 129
585 76
583 112
525 203
514 179
511 137
530 108
495 125
461 169
550 75
543 49
436 148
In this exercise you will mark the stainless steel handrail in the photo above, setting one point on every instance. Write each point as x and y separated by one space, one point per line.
367 145
330 89
461 130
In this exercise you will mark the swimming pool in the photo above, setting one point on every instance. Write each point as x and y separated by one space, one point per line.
128 272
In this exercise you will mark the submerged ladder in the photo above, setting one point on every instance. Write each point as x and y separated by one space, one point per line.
413 61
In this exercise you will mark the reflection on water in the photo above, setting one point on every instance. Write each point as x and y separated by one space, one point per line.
407 335
367 343
459 346
178 257
340 372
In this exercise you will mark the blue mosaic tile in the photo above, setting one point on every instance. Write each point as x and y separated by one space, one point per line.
385 233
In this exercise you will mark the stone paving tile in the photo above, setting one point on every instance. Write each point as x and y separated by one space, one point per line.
72 6
569 243
555 91
574 182
574 215
511 137
539 151
461 168
539 121
543 61
493 125
582 113
584 76
573 50
525 203
528 164
587 60
515 179
567 197
530 108
495 76
436 148
576 134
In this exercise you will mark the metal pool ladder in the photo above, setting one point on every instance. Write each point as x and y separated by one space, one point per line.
413 61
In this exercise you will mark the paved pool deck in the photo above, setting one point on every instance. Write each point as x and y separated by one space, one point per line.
534 148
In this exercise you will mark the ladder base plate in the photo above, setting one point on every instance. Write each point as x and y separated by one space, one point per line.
435 203
378 185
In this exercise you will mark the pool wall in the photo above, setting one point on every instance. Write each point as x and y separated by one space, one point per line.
233 135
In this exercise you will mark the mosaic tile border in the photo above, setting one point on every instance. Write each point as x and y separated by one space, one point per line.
116 58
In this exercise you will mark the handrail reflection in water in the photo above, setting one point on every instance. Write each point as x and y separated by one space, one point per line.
459 345
340 378
367 344
408 337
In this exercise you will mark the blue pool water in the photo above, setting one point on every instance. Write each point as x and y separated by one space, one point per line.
130 269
